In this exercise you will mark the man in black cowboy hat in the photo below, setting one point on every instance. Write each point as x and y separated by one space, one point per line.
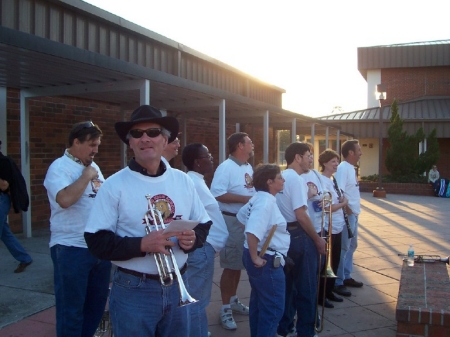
144 194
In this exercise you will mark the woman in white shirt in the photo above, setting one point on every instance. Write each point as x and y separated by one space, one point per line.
265 271
329 161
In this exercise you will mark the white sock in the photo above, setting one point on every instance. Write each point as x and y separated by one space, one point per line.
225 307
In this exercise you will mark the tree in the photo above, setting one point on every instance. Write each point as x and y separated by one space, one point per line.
401 151
430 157
402 158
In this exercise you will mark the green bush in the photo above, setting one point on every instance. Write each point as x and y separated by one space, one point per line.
402 159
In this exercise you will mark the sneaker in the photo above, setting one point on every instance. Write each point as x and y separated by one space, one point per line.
209 334
342 290
238 307
352 283
227 320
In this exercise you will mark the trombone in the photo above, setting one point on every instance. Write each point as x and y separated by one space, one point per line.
327 201
162 261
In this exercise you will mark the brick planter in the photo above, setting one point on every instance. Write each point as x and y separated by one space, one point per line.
398 188
423 305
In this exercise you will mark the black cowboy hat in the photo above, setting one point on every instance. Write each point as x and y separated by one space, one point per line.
147 113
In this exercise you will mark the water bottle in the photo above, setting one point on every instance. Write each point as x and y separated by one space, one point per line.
410 256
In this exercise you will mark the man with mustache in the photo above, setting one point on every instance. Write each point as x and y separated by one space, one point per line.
81 280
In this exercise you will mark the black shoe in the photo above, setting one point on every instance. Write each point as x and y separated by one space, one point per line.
334 298
21 267
342 290
327 304
352 283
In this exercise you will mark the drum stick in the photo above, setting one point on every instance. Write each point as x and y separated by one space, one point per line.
267 243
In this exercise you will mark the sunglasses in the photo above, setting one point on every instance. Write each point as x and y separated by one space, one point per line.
152 132
83 126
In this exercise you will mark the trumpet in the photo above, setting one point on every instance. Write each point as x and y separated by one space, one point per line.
426 258
327 201
165 268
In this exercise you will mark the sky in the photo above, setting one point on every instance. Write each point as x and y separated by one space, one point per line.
308 48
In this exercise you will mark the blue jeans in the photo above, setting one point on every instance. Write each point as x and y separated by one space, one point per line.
81 290
347 249
8 238
141 307
199 275
267 296
301 285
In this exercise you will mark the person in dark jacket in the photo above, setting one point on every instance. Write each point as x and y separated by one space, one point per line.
8 238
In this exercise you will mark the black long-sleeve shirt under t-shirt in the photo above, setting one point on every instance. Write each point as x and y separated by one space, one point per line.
106 245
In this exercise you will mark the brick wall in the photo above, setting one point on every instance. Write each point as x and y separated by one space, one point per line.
405 84
443 163
423 301
51 119
398 188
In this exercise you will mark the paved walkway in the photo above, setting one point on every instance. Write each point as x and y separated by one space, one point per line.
387 227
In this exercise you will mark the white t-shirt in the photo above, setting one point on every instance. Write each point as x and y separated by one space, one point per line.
348 182
337 218
67 224
165 161
293 196
121 206
313 181
259 215
230 177
218 232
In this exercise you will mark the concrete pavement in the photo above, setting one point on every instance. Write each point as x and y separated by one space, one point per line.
387 227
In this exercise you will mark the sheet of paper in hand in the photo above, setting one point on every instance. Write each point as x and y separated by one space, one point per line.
180 226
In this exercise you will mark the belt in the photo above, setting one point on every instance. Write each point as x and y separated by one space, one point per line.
228 213
149 276
291 226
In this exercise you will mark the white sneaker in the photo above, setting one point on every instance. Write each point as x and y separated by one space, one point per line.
238 307
227 320
209 334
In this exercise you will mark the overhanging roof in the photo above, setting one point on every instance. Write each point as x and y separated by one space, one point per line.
28 61
427 112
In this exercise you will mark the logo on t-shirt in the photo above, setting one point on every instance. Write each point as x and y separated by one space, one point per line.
312 188
163 210
248 181
95 184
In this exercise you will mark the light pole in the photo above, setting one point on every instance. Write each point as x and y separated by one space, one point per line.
379 192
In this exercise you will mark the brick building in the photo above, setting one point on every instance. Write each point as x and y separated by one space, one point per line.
68 61
417 75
